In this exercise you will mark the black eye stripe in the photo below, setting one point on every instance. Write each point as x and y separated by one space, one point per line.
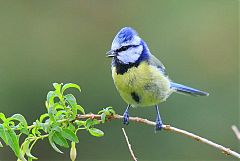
124 48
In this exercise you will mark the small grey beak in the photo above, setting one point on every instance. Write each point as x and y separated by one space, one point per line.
111 53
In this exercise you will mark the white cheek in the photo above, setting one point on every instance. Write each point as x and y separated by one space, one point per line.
131 55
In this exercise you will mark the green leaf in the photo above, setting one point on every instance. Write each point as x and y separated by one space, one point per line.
24 130
109 107
95 122
58 106
71 127
22 126
3 134
1 144
50 138
103 117
74 113
60 114
27 150
70 85
112 111
50 97
28 153
68 134
35 131
52 112
44 127
2 117
56 127
80 122
57 86
10 123
101 111
80 108
25 146
90 122
20 118
71 100
60 140
13 141
96 132
21 157
108 111
43 116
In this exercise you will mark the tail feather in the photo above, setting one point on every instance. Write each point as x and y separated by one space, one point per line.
187 90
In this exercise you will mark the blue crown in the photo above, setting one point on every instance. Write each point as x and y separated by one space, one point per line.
126 34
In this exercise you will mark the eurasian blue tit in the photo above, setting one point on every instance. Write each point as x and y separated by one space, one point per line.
139 76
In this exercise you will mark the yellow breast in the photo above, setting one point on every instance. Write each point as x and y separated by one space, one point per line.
144 85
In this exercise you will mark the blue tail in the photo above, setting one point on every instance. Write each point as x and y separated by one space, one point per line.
187 90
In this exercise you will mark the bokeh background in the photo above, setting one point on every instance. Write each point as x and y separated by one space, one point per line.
42 42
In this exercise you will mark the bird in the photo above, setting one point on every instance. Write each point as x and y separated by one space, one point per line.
140 78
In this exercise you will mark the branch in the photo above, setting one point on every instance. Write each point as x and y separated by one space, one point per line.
169 128
129 145
236 131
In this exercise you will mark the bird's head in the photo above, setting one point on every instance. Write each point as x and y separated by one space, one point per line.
127 46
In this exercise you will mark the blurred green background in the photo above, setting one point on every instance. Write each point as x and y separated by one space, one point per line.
42 42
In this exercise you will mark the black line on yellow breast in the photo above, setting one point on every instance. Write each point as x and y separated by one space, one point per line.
135 97
123 68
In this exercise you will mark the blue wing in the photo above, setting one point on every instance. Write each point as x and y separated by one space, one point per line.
157 63
175 86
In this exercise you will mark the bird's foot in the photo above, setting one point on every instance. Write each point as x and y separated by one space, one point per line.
126 118
159 124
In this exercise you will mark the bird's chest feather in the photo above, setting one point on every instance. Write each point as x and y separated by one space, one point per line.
143 85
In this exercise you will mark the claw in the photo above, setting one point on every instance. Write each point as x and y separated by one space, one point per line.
126 116
159 124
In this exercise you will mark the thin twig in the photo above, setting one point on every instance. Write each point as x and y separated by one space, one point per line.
129 145
236 131
169 128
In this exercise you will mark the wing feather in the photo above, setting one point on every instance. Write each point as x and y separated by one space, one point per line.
155 62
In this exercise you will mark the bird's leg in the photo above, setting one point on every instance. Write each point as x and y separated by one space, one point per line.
158 119
126 116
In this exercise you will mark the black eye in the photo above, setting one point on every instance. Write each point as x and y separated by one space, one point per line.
123 48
